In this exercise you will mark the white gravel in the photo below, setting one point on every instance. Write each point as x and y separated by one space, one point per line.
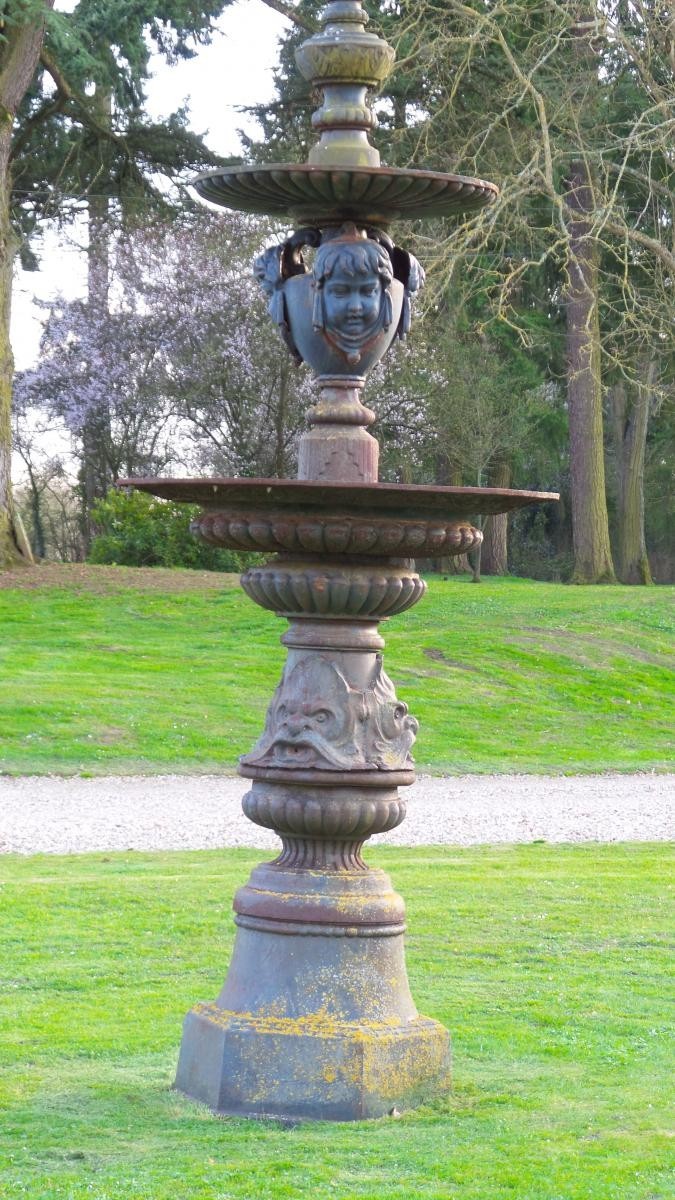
176 812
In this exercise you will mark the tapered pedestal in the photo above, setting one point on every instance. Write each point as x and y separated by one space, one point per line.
315 1019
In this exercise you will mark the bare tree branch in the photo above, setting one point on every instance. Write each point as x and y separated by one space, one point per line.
290 14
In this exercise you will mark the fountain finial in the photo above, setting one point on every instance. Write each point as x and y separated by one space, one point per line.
342 179
344 61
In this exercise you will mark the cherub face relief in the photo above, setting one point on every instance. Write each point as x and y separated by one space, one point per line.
352 282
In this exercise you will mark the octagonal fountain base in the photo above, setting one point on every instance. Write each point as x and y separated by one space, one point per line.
310 1068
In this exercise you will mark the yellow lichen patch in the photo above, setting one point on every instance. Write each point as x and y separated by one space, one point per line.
418 1062
349 1070
319 1024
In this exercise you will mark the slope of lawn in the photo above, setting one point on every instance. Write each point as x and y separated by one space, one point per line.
549 965
114 670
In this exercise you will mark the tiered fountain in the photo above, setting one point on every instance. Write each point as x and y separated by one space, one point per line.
315 1018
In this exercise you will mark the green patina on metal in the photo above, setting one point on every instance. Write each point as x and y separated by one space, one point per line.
343 179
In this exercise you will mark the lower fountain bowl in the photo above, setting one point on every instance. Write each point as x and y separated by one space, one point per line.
296 516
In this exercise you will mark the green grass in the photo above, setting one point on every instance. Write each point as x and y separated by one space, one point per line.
511 675
548 965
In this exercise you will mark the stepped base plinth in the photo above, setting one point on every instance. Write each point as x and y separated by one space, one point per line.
310 1068
315 1020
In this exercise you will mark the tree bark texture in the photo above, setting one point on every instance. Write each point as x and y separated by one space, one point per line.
494 558
448 475
280 423
9 548
590 525
95 474
630 421
19 54
38 539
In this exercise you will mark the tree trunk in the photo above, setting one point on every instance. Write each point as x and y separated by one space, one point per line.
95 474
474 559
494 558
280 424
19 52
9 542
590 525
447 475
38 541
630 432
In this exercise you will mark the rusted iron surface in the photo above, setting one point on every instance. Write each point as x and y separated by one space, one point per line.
327 716
404 500
301 810
322 535
325 589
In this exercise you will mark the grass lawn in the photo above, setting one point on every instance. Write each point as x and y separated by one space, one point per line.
548 965
106 669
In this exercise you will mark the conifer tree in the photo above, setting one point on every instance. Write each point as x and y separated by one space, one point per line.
73 126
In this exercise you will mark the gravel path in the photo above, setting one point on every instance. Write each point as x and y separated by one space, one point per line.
176 812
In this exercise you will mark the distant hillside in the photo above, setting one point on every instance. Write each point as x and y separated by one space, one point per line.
106 669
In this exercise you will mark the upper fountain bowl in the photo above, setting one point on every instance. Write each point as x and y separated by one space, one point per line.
343 179
328 196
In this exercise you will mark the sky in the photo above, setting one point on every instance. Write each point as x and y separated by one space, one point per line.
236 69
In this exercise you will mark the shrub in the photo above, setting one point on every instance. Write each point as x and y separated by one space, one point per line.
137 530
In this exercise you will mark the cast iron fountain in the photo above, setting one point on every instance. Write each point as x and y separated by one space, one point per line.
315 1018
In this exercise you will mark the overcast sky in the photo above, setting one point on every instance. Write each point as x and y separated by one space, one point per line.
236 69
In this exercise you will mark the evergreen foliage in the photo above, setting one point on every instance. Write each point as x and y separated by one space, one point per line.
82 129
